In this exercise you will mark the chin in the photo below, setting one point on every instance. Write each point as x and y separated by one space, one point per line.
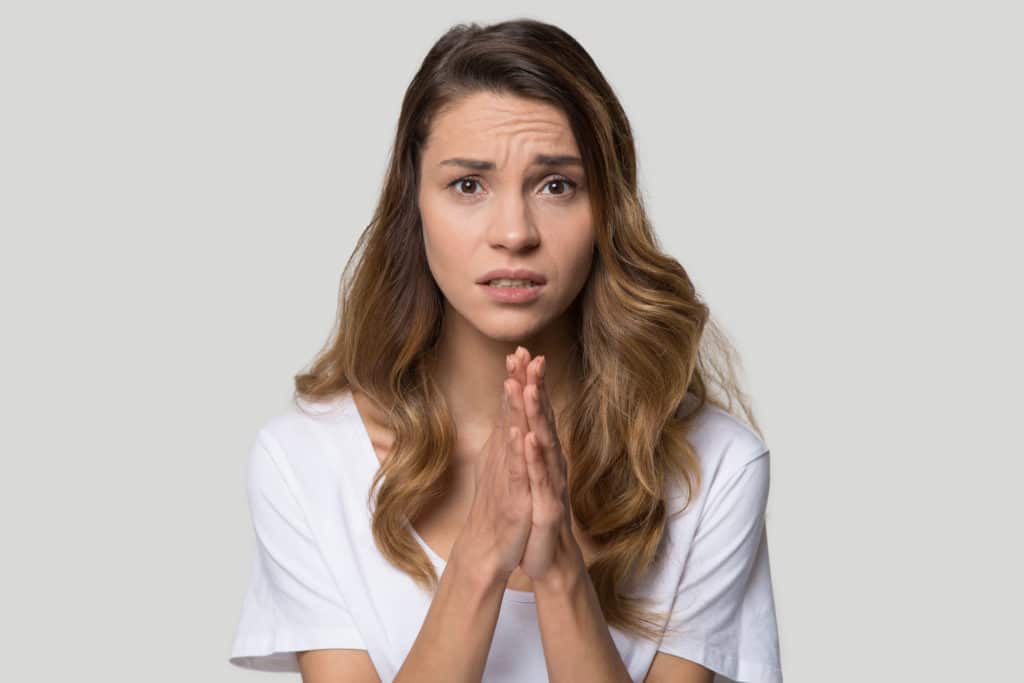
512 324
514 329
512 336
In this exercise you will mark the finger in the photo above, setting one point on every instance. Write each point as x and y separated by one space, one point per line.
530 396
523 359
513 406
535 464
547 406
517 364
506 400
517 407
515 371
535 417
533 371
541 418
542 384
510 364
543 531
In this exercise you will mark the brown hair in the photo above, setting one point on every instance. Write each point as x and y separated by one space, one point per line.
646 353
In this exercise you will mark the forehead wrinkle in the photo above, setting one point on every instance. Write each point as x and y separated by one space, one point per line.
505 141
520 143
504 130
539 123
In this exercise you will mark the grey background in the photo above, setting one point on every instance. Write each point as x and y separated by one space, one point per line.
180 184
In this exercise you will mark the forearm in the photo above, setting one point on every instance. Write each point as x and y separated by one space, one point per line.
577 643
455 638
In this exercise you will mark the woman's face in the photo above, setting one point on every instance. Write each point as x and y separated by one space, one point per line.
492 195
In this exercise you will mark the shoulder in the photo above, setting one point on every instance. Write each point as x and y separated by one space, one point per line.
727 450
725 444
304 438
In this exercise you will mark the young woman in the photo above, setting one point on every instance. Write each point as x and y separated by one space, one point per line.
508 462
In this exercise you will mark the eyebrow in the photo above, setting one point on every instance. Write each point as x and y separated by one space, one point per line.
539 160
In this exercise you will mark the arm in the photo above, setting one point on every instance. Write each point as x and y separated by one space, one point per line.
331 666
668 668
455 638
577 643
453 642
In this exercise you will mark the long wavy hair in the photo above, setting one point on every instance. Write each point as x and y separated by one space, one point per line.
646 355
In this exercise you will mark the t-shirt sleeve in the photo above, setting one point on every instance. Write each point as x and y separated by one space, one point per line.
292 602
724 610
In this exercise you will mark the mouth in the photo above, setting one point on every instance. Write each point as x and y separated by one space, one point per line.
511 277
508 282
506 291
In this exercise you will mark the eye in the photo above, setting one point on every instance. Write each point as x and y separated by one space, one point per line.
560 180
460 182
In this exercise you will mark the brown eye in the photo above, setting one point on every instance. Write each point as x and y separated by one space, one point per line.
563 182
463 183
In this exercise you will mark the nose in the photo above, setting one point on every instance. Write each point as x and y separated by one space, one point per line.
512 225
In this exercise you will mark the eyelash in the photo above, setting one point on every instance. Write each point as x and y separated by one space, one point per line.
547 181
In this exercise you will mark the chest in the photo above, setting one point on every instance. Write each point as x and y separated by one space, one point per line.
441 522
439 527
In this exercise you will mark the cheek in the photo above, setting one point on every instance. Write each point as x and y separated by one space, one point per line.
581 248
442 242
433 227
444 251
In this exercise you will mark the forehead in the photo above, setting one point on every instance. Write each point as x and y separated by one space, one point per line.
483 121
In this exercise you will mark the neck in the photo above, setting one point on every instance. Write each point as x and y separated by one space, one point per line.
471 369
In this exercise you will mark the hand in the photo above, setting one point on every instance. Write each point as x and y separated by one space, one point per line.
551 540
496 530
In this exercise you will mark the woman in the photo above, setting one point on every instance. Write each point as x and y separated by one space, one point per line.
507 464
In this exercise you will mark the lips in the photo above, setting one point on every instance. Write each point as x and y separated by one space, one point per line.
512 274
513 295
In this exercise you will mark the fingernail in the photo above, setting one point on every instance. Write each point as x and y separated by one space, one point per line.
508 363
540 368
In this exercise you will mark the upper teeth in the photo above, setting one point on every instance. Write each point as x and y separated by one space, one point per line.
512 283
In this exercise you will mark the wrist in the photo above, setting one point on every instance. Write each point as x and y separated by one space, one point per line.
477 567
567 571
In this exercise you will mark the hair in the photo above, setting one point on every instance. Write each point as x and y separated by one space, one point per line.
646 354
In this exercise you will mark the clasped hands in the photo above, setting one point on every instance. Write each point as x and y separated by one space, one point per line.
551 547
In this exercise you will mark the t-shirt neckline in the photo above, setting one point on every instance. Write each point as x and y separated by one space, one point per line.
374 464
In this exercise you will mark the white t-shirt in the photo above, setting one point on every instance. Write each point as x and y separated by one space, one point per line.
318 581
